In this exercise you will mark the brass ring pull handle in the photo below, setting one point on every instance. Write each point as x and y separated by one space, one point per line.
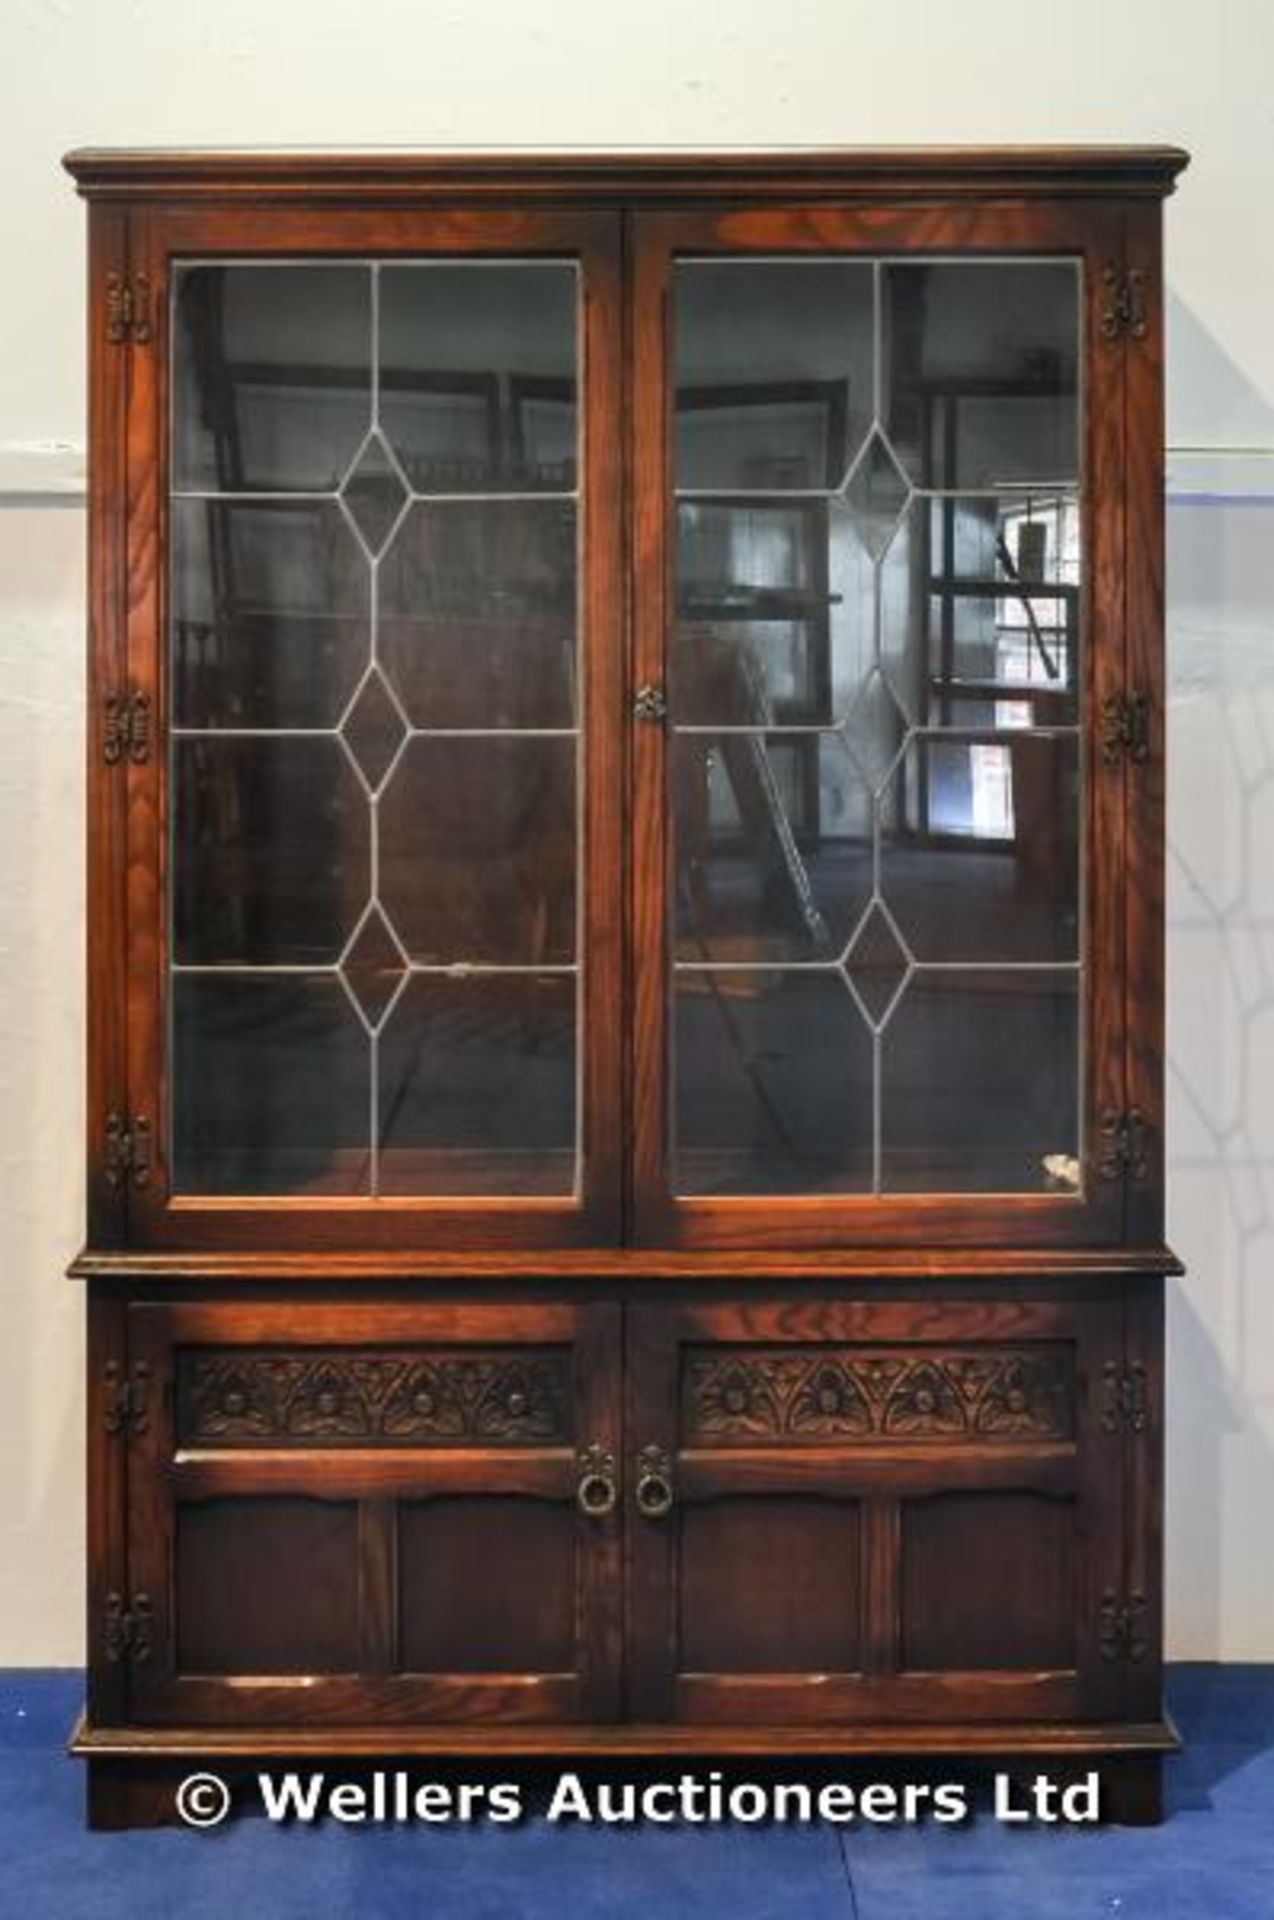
654 1484
596 1490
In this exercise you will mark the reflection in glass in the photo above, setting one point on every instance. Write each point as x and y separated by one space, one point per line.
775 613
980 611
876 493
270 846
982 371
979 848
477 375
476 604
875 729
774 846
875 764
773 1083
773 372
477 1086
979 1087
271 613
477 850
270 1086
272 373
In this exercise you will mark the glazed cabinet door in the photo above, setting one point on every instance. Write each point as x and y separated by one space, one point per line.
874 1510
372 898
879 888
370 1514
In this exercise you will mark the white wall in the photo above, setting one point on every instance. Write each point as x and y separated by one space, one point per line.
684 72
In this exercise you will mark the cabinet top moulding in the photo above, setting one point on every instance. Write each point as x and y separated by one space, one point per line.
633 1263
652 175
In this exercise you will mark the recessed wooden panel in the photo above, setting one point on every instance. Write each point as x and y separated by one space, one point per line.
770 1585
988 1582
267 1586
487 1585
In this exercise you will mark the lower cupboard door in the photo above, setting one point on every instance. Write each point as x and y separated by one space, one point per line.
369 1514
872 1510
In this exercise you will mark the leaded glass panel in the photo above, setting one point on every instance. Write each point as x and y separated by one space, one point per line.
876 772
375 690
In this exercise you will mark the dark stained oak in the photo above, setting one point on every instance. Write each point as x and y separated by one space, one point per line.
534 174
846 1263
106 948
262 1585
768 1584
454 1610
1100 1738
625 1471
1145 670
1019 1546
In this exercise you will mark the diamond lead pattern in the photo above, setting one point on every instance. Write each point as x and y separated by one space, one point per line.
373 730
875 728
373 967
374 494
876 493
876 965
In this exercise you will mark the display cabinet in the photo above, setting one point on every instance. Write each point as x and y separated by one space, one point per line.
625 873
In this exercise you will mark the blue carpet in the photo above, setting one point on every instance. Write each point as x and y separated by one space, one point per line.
1212 1859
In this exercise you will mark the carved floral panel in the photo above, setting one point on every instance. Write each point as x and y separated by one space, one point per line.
737 1395
333 1397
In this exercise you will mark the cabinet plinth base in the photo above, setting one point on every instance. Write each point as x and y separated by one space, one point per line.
1132 1791
134 1773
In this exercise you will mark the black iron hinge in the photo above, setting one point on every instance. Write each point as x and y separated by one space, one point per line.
1125 729
128 309
127 1628
1125 1398
1124 314
126 1399
1125 1145
1121 1630
127 1151
126 728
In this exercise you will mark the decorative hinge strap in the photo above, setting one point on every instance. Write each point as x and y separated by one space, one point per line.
1124 314
1125 1146
1125 729
127 1151
127 1399
127 1629
128 309
1121 1631
1125 1397
126 728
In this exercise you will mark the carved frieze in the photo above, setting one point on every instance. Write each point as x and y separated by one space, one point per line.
247 1396
740 1395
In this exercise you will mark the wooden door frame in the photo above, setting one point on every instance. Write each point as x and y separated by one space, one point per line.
161 1471
1093 232
1090 1471
133 553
